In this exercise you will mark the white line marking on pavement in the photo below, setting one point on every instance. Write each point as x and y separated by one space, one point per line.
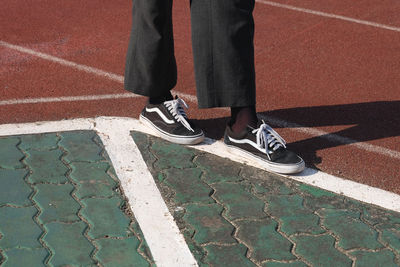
162 235
125 157
330 15
310 131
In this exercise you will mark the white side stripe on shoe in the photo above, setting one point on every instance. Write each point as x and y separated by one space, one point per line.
165 119
247 141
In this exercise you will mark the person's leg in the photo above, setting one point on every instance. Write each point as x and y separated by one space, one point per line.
151 71
150 62
222 38
222 33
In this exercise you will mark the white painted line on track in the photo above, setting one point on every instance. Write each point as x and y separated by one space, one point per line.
330 15
64 62
167 244
119 78
114 132
66 99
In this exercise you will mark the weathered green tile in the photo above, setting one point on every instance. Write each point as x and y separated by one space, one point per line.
284 264
320 251
80 146
294 216
265 181
90 171
172 155
208 223
188 186
392 237
217 169
18 228
68 244
56 203
26 257
315 191
105 217
264 241
92 179
46 166
351 231
120 252
384 258
46 141
239 203
10 155
96 189
227 256
143 143
13 188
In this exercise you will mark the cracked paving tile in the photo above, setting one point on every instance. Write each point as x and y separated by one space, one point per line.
227 256
217 169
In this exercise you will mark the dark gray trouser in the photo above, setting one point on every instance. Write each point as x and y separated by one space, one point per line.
222 39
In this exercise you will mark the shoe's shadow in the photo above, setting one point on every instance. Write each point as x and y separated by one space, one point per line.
362 121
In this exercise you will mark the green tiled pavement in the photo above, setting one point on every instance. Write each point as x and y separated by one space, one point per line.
60 204
236 215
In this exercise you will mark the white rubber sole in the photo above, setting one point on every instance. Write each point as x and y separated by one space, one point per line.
268 166
182 140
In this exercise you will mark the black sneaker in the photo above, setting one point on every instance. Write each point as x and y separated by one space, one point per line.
266 145
170 122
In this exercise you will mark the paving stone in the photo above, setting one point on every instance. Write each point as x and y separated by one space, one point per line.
80 146
10 155
208 223
46 166
18 228
41 142
105 217
56 203
392 237
68 244
227 256
284 264
320 251
239 203
217 169
264 241
143 143
384 258
351 231
120 252
172 155
26 257
188 186
13 188
294 216
265 181
92 179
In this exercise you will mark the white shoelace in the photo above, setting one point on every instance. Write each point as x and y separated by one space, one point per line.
268 139
176 107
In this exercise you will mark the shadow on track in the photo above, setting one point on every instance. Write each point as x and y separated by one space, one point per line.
366 121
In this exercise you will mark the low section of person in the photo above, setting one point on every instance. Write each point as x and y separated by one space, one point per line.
223 53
